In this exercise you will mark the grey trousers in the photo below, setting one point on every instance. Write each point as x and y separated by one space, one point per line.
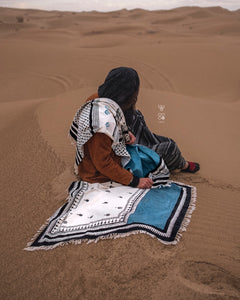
164 146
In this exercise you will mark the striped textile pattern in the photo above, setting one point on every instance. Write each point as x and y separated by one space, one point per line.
165 147
99 115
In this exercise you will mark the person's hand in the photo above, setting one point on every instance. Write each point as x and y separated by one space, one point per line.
145 183
132 138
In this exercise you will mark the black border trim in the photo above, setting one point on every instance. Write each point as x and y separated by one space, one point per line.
123 228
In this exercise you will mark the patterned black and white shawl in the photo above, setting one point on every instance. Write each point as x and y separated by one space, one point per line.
104 115
100 115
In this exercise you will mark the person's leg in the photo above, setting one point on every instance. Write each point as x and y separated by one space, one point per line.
170 153
164 146
173 158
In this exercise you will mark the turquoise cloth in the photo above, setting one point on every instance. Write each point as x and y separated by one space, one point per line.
143 160
157 206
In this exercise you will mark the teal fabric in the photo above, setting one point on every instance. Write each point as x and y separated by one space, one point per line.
143 160
156 206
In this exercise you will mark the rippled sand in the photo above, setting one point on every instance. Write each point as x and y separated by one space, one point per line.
188 61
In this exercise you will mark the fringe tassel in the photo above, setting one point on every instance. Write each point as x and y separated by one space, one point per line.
188 215
72 141
75 167
29 247
185 223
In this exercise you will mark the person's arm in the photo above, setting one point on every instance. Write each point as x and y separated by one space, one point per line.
100 150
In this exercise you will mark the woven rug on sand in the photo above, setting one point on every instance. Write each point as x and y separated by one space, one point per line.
110 210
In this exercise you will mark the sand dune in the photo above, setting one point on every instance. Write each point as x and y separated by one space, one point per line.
187 60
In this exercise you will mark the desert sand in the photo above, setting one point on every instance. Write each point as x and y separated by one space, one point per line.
188 60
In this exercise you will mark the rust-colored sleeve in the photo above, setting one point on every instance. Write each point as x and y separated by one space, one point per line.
93 96
102 156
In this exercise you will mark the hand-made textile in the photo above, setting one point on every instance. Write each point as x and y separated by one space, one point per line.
105 116
110 210
100 115
164 146
147 163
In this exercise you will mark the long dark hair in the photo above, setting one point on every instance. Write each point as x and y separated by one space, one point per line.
121 85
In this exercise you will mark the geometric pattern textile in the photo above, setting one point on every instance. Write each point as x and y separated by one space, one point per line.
110 210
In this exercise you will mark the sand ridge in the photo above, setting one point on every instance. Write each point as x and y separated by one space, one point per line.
188 61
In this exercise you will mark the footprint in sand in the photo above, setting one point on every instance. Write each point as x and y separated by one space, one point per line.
207 278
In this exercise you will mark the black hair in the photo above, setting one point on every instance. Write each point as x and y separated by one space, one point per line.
121 85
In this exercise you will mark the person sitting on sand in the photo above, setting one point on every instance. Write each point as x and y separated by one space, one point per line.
122 85
101 135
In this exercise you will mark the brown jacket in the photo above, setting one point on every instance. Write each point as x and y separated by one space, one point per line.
100 163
